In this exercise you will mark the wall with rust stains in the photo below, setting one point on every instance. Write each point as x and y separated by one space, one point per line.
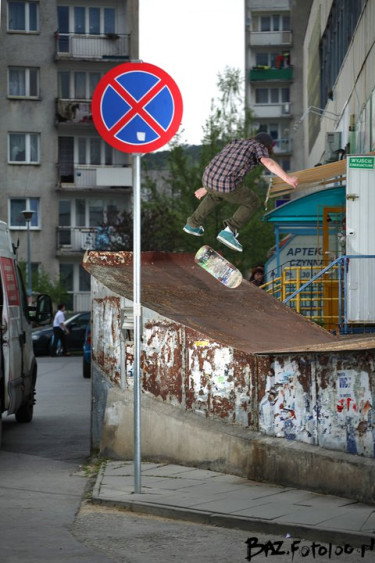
321 399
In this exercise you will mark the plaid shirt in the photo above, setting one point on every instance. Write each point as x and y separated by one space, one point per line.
227 169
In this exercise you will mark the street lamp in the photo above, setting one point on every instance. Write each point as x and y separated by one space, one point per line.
28 214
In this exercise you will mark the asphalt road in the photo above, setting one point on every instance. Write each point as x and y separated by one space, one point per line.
46 514
42 480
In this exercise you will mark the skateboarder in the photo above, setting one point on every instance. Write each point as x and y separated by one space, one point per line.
223 181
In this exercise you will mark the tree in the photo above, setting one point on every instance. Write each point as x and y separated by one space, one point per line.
41 283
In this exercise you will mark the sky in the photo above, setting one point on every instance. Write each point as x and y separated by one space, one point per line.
193 41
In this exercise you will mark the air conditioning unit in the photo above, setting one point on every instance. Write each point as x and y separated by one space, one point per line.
333 144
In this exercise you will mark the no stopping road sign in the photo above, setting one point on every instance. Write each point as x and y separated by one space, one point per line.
137 107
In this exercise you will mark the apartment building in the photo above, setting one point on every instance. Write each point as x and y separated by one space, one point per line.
52 161
274 33
339 82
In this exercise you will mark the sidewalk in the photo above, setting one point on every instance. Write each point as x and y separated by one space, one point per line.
213 498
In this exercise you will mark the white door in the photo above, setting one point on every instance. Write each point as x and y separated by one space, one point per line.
360 238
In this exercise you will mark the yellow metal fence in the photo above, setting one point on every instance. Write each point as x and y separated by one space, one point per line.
319 301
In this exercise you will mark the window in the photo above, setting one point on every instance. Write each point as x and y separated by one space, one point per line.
271 128
94 21
79 20
109 20
23 16
86 213
84 281
265 23
23 82
261 96
83 20
276 22
16 206
266 59
93 150
272 95
78 85
335 42
286 23
23 148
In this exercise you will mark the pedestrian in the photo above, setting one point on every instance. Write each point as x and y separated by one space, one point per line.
223 181
257 275
60 330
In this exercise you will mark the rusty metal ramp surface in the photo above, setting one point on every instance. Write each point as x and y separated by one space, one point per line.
245 318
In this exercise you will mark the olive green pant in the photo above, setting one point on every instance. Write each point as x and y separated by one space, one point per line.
242 196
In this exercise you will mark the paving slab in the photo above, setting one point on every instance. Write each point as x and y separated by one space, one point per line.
210 497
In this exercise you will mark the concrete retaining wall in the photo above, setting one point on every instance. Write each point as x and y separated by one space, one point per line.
171 435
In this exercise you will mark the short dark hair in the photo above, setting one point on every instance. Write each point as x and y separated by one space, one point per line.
265 139
60 306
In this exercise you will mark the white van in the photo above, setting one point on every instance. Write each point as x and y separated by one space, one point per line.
18 368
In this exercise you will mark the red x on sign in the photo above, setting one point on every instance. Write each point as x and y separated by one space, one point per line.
137 107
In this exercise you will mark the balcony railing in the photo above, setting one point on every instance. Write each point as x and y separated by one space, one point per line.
95 176
267 73
271 110
85 46
73 111
267 38
79 239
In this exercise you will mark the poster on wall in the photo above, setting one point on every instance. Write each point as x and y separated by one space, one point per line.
300 251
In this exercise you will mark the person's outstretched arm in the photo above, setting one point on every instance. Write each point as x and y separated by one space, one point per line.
200 192
275 168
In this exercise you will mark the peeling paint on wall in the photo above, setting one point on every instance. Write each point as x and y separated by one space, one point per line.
332 409
346 414
324 399
285 409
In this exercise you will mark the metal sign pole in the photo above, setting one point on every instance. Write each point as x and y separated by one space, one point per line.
126 120
137 319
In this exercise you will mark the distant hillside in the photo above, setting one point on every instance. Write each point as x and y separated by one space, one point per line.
158 160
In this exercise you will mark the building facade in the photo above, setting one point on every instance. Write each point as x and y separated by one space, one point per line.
339 82
272 70
52 161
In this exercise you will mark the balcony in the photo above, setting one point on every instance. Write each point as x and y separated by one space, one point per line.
85 46
73 111
270 38
273 111
86 176
282 146
266 74
74 240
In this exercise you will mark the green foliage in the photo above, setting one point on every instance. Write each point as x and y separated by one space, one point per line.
41 283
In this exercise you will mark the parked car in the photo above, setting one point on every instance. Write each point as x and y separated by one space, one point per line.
86 360
42 337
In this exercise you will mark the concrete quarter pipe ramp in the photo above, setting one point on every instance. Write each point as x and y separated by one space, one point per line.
245 318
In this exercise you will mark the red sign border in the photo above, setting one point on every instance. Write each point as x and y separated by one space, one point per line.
97 114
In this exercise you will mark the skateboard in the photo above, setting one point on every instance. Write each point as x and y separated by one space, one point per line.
216 265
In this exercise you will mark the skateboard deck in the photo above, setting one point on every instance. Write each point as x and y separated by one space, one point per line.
216 265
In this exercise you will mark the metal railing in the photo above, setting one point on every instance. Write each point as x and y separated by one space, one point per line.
84 45
79 239
320 293
73 111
